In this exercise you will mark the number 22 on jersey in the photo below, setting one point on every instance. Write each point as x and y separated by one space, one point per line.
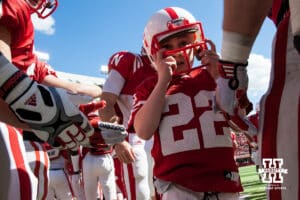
189 123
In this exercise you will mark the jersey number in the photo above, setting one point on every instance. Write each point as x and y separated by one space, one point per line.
178 134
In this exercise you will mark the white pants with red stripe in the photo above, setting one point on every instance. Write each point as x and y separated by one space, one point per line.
38 160
279 116
148 148
59 187
176 192
136 173
17 180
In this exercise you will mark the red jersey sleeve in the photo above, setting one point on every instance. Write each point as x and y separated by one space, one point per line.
15 16
42 70
122 62
8 15
140 96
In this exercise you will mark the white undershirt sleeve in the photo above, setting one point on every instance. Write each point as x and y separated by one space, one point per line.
114 83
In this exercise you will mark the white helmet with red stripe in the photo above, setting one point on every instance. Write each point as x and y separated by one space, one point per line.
167 22
43 8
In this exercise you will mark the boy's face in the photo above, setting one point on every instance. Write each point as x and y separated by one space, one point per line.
184 58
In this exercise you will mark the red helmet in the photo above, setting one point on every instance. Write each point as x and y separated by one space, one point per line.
43 8
167 22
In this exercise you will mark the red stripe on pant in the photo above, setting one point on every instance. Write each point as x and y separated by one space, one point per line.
272 104
25 183
38 168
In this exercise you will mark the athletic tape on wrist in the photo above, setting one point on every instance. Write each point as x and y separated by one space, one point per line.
236 47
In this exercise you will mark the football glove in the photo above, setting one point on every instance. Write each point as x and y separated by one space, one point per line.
105 132
231 85
111 133
46 110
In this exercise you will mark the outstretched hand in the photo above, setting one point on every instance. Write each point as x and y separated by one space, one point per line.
105 133
210 58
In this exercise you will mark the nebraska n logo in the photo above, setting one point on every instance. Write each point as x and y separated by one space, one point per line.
116 59
272 170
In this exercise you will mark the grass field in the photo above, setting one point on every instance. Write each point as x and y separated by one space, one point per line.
253 188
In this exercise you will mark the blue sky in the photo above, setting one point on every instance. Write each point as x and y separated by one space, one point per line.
81 35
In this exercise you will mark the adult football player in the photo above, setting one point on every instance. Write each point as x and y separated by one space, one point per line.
279 115
25 103
18 92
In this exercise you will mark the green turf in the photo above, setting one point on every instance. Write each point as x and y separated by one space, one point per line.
253 188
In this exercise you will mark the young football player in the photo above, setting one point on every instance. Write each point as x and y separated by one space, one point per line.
176 106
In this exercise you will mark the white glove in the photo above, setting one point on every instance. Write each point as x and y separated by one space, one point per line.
112 133
107 133
46 110
231 86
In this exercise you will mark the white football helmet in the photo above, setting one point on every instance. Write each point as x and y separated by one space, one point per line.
167 22
43 8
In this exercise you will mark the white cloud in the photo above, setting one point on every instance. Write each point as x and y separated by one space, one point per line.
259 74
45 26
104 69
44 56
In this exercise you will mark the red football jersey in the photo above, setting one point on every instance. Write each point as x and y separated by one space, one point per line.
15 16
278 11
254 119
127 71
39 70
192 145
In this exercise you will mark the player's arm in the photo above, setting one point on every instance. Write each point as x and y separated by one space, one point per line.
147 119
123 149
5 40
6 115
51 107
245 17
241 23
108 113
295 22
76 88
111 90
